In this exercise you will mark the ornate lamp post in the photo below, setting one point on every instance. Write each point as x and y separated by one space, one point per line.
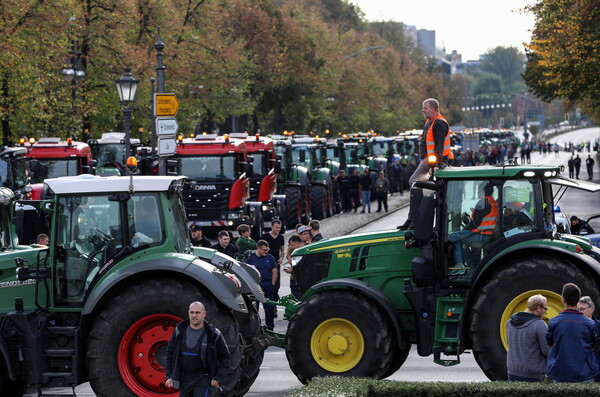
127 86
73 73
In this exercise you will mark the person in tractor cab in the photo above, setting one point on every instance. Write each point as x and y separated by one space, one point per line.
579 225
479 229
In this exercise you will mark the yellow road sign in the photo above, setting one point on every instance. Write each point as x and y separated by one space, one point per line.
165 105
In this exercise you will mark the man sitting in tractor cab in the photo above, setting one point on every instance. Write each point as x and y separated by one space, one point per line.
479 229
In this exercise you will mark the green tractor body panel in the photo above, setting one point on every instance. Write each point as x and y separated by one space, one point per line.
447 293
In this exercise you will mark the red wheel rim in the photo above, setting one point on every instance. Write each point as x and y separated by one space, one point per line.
139 357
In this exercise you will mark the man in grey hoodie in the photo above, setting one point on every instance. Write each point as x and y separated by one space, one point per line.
527 345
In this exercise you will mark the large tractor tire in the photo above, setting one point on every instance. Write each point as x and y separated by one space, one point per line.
319 202
257 224
293 206
129 338
400 357
339 333
250 328
506 293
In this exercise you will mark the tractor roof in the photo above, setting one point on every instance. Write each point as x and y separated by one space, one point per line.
108 184
499 171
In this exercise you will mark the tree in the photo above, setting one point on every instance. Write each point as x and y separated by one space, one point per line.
563 58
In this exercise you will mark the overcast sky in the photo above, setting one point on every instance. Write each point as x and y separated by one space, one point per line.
469 26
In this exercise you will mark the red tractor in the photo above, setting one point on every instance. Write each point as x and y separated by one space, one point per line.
217 190
53 158
263 182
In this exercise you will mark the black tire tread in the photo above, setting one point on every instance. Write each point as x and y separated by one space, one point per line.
139 300
318 202
292 204
378 349
518 276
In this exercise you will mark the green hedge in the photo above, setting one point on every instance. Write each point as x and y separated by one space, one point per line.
366 387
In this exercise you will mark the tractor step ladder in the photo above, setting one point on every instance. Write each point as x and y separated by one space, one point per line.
447 329
61 357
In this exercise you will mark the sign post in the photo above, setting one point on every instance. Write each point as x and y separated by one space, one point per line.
165 109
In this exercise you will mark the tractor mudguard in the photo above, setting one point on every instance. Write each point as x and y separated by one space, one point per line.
217 282
522 251
381 299
5 357
248 275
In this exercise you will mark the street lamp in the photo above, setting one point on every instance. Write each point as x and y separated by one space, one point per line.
73 73
127 86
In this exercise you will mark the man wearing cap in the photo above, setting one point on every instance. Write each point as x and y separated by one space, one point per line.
304 233
198 239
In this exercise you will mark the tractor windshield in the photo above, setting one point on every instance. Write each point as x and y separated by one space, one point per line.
208 168
380 148
110 158
91 234
13 173
260 164
54 168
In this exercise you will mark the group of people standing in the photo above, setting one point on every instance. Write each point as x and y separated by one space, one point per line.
574 165
566 350
356 189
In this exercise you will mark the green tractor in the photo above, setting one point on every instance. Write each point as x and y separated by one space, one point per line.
100 302
293 181
367 298
306 152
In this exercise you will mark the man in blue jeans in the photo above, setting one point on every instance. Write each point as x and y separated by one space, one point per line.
365 187
267 266
571 337
479 230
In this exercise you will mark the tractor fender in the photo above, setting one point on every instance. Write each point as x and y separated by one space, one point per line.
5 357
536 249
364 288
212 278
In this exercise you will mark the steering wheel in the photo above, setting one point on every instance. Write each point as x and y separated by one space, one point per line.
100 238
465 218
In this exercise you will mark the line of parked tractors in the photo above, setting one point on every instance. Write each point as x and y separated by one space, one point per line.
232 179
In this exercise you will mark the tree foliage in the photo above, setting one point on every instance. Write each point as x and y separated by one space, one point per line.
563 59
283 63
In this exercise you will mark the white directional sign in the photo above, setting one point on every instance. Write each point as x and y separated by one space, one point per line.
166 146
166 126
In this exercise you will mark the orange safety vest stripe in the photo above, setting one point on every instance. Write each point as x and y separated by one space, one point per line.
430 141
488 224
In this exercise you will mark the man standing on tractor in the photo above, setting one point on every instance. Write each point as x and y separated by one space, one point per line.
435 141
197 356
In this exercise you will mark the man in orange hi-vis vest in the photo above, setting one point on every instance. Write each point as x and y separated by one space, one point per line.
479 230
434 141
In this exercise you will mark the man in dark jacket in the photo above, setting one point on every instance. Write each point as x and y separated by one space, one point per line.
527 346
197 356
571 336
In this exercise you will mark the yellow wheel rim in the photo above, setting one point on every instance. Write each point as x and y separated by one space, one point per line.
337 345
519 304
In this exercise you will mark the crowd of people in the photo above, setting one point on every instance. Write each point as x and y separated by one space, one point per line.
565 350
268 255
